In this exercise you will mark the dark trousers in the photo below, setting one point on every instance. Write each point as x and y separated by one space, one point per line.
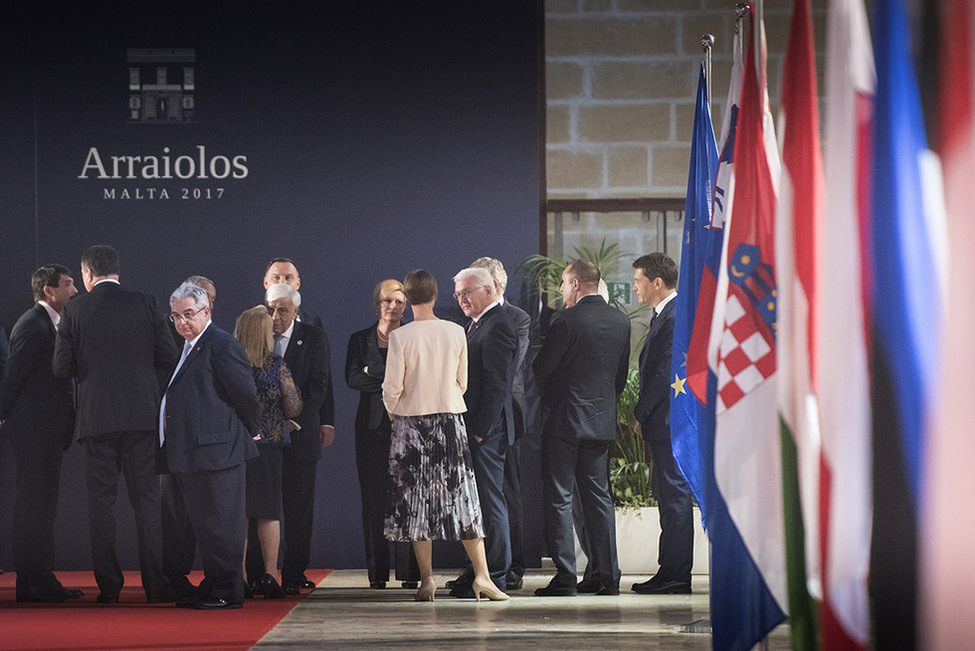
488 458
298 506
565 469
676 549
372 462
38 478
215 504
179 541
132 454
516 508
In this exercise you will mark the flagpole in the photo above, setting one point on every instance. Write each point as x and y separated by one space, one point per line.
707 42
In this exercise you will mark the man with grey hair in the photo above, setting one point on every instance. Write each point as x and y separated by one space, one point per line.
115 342
179 541
208 417
306 351
491 348
512 465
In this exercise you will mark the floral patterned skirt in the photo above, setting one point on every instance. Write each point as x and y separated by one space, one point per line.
434 491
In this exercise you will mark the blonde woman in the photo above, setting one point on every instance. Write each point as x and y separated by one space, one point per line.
365 369
435 494
281 401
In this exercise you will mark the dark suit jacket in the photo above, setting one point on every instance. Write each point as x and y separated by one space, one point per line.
522 324
364 351
113 341
212 409
34 402
491 348
308 357
653 406
581 370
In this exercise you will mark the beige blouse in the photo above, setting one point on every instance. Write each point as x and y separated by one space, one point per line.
426 369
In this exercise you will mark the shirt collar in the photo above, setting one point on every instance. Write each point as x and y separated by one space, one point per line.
660 306
197 337
287 333
51 312
106 280
485 311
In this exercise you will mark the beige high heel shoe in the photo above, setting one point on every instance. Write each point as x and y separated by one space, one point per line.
487 587
428 588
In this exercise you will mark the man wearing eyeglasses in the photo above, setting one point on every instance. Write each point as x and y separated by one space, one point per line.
492 345
209 413
114 341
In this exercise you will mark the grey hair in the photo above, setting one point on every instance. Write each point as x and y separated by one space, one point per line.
283 290
479 274
494 266
189 290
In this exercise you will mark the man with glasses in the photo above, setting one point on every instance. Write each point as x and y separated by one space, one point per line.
492 345
114 341
209 413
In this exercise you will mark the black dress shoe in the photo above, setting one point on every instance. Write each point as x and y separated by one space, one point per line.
588 586
514 581
605 591
411 585
462 591
216 603
377 585
292 589
556 589
307 585
73 594
269 588
106 598
466 577
41 595
662 586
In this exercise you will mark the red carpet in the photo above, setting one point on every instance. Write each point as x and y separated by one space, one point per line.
83 624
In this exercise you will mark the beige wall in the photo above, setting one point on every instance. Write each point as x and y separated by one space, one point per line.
620 78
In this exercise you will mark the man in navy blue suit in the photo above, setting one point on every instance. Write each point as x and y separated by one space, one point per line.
581 370
37 415
491 349
655 284
209 414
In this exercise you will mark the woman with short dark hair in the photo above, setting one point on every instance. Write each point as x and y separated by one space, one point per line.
435 495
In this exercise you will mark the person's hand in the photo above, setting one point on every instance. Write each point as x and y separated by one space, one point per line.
635 424
328 435
478 439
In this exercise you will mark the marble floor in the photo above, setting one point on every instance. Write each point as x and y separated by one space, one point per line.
344 613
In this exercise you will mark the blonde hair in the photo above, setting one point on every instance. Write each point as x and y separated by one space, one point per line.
385 289
254 331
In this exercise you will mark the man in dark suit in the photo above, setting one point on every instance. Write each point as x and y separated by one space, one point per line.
114 341
491 348
179 541
209 414
655 284
512 460
306 351
37 414
581 371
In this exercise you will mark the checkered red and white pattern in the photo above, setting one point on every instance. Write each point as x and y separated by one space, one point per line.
746 356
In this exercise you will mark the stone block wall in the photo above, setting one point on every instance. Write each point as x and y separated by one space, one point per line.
620 79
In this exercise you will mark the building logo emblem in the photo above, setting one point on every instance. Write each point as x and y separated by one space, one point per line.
162 85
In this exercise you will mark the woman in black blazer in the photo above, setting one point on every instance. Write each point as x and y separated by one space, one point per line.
365 369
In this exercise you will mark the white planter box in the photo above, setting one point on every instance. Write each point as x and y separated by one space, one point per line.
637 537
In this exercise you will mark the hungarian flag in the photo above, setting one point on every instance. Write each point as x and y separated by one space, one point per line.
947 587
907 238
843 386
798 255
687 413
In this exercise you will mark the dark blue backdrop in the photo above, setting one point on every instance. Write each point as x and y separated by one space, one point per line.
378 137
